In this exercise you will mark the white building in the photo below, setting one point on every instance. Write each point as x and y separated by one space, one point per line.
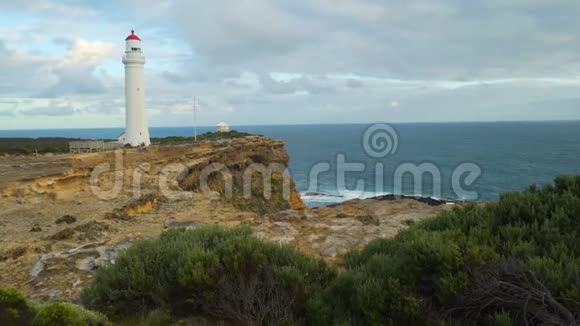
222 127
136 127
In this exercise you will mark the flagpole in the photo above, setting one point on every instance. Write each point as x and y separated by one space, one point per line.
194 121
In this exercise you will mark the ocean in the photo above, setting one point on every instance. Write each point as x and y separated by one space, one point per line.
494 157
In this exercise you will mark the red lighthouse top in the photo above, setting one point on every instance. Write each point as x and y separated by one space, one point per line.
133 36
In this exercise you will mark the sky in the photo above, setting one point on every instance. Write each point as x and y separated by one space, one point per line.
255 62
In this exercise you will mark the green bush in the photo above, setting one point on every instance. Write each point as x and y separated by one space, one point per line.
67 314
211 271
14 308
447 267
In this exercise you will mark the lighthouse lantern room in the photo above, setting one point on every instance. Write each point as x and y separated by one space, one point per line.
136 127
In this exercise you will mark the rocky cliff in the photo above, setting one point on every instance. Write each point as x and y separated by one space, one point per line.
149 170
63 216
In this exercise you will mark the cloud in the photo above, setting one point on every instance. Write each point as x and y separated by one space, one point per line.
91 53
25 73
282 61
365 11
176 78
50 110
353 83
228 109
21 72
6 112
256 28
74 79
244 82
312 85
107 106
412 39
270 85
58 8
75 73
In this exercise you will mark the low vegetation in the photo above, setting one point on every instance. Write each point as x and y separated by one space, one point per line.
24 146
15 310
208 136
516 260
69 315
211 271
513 262
43 145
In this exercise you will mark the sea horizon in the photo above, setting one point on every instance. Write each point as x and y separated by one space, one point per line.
545 149
312 124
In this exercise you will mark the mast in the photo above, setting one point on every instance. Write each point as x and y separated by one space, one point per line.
194 121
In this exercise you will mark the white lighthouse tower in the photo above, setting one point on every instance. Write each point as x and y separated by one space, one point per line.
136 128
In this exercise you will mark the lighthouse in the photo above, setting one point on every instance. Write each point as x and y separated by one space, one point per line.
136 128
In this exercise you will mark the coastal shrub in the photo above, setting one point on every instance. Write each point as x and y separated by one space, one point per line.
67 314
211 271
14 308
516 261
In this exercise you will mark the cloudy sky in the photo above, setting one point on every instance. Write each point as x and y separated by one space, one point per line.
291 61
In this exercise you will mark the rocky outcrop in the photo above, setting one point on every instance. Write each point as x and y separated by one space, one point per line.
235 161
157 169
49 209
329 232
76 229
425 200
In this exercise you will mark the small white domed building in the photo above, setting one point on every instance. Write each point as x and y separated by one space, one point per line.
222 126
